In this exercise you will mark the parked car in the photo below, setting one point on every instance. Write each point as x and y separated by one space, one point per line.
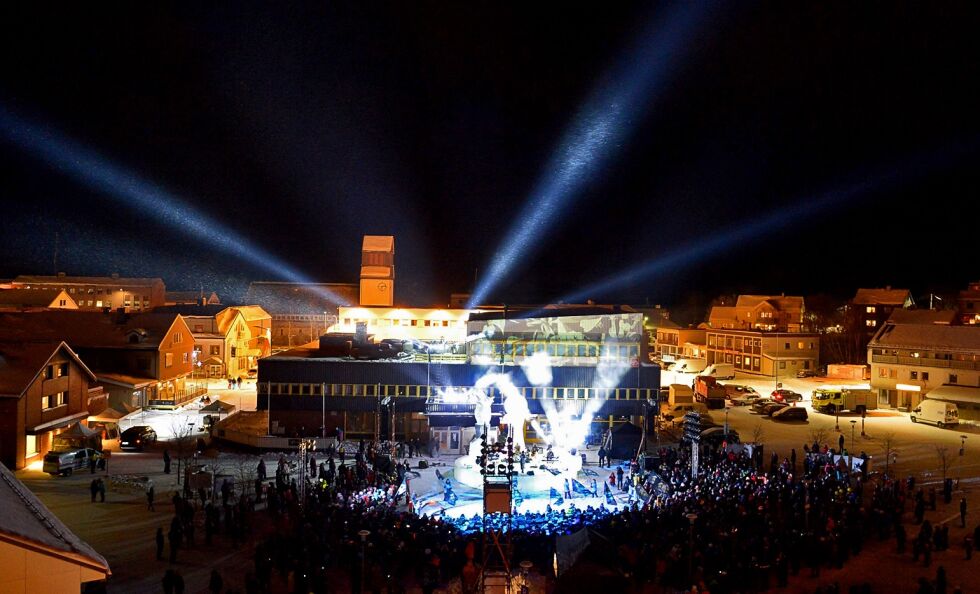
740 395
772 407
715 436
65 462
790 413
784 395
761 403
806 373
137 437
677 411
252 373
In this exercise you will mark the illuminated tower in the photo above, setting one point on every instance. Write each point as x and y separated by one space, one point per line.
378 271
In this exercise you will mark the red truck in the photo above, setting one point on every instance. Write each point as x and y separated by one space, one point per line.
709 391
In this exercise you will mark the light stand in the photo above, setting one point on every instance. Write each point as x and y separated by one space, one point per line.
363 534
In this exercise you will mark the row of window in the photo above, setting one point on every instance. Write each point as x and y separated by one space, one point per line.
555 349
168 359
753 345
892 373
55 370
390 322
282 389
54 400
927 355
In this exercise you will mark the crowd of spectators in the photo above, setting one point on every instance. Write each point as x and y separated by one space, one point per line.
751 526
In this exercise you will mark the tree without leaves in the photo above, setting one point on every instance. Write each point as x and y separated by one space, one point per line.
182 442
888 443
758 433
819 436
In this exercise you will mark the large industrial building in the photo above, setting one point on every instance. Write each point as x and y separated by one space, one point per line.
592 360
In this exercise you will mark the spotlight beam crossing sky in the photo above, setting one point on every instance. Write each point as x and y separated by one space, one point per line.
714 243
129 189
595 136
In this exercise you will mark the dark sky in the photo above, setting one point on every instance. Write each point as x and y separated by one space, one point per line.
304 128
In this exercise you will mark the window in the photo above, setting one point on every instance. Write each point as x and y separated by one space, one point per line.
893 374
952 378
98 303
178 337
62 302
786 347
914 374
882 372
168 360
49 372
30 445
782 364
186 357
800 345
54 400
198 328
870 309
870 323
925 376
216 349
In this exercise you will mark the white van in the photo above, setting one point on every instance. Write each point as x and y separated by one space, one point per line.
720 371
689 365
943 414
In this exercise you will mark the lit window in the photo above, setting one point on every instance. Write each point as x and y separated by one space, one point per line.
914 374
870 309
98 303
169 360
870 323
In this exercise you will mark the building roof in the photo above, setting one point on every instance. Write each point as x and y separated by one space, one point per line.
179 297
886 296
949 393
553 311
301 298
31 297
928 336
780 302
192 309
252 312
91 329
32 279
922 316
27 520
21 362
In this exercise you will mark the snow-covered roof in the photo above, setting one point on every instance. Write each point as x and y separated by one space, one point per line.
25 518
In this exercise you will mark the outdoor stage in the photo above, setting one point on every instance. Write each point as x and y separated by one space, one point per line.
427 485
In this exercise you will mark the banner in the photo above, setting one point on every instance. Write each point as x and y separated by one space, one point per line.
569 547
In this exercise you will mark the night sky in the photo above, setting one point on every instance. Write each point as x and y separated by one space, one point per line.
304 128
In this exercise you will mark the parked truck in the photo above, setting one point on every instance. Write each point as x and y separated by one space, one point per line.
838 400
709 391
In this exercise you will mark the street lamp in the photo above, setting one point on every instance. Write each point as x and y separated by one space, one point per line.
853 423
727 408
363 534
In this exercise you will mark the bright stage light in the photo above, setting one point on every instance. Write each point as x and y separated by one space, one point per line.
598 132
132 191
